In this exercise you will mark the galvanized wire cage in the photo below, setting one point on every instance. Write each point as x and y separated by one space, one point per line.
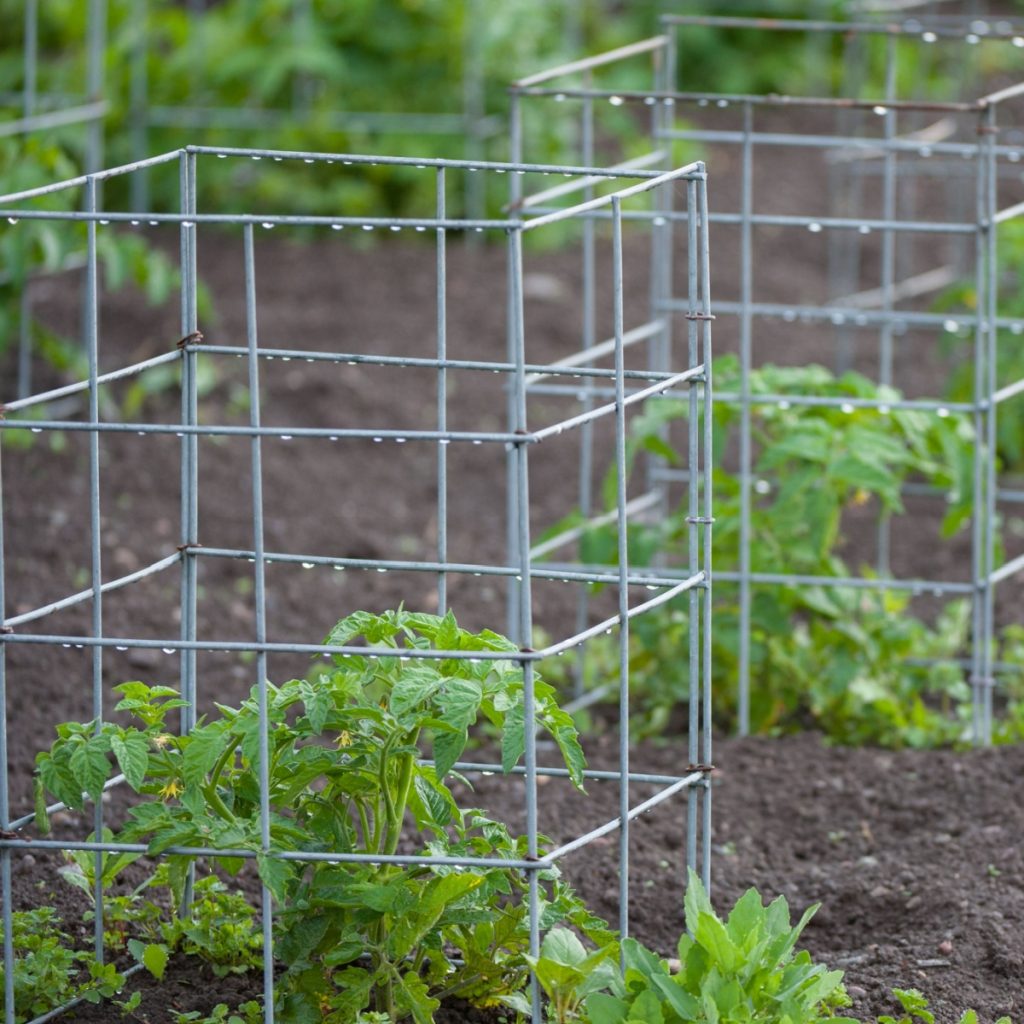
896 225
609 393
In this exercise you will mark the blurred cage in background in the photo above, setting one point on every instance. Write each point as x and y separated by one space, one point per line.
903 195
613 383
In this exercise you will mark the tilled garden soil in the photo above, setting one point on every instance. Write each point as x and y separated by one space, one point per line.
915 855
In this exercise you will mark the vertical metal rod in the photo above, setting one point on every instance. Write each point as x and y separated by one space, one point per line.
746 450
589 314
138 104
31 58
92 353
706 517
990 309
96 26
692 510
24 320
885 356
979 634
473 109
525 630
192 360
442 397
259 570
5 796
623 559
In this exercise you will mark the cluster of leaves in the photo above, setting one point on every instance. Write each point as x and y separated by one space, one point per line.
833 657
346 773
49 972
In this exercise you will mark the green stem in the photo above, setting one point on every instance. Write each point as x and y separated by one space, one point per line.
404 783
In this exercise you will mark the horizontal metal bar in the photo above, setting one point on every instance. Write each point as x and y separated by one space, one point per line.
282 433
598 60
689 171
838 402
88 595
562 575
690 583
845 314
420 163
83 385
568 187
171 645
916 586
1008 569
78 1000
847 142
258 220
82 179
299 856
599 775
1009 213
20 823
85 114
1001 95
909 288
538 370
611 826
1010 391
639 504
670 97
588 355
959 31
694 374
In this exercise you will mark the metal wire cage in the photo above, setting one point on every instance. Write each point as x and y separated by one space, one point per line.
610 395
906 196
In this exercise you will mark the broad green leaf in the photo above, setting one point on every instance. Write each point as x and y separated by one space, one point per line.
275 875
711 934
89 765
604 1009
204 746
416 686
153 956
563 947
132 752
696 901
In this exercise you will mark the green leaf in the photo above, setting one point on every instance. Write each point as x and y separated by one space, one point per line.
275 875
153 956
204 746
711 934
89 765
563 947
132 752
696 901
604 1009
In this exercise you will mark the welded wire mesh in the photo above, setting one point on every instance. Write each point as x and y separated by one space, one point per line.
602 399
899 227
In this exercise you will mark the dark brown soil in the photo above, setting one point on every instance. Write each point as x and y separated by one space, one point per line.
915 856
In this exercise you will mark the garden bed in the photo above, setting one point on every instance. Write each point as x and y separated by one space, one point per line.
915 855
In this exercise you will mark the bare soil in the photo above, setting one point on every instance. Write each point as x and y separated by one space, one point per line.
915 856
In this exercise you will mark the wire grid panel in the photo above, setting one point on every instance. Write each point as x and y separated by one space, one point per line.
626 384
896 214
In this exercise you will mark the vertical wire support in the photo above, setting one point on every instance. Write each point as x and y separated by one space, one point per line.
991 305
979 635
473 109
623 559
24 318
92 354
692 508
520 460
513 326
5 796
442 397
589 338
189 469
138 103
31 58
96 27
259 593
885 354
707 519
746 457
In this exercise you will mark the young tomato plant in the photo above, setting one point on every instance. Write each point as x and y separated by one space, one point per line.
828 655
347 773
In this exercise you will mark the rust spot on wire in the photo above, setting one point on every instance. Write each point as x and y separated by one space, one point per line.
699 316
185 548
191 339
705 769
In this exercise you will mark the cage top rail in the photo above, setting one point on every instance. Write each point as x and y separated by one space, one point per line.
651 45
312 156
910 27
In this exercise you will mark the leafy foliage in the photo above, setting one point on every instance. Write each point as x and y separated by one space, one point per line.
829 656
346 774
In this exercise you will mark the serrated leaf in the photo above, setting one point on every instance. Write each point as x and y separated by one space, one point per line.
204 746
275 875
131 749
89 765
153 956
